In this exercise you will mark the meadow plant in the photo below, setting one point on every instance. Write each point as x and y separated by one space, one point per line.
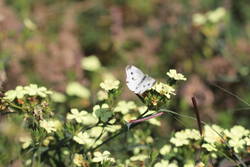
34 134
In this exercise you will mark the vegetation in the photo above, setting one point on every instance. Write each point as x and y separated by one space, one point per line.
64 99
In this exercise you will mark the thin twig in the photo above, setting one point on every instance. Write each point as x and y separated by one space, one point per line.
234 95
196 110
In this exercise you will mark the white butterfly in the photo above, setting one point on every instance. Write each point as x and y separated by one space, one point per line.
137 81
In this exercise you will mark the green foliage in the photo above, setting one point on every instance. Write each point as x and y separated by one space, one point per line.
82 138
73 46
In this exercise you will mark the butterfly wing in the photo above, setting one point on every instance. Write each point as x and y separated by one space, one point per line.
137 81
134 77
146 84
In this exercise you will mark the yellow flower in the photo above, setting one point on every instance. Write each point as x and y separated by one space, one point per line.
237 132
91 63
26 141
102 157
164 89
212 16
247 140
78 160
124 107
113 128
47 140
128 117
95 132
58 97
110 84
199 19
155 121
50 125
142 109
66 152
89 119
179 141
165 149
29 24
192 134
216 15
88 138
28 162
83 138
78 116
209 147
139 157
98 107
176 76
34 90
18 93
76 89
237 144
183 137
149 139
82 117
162 163
102 95
212 134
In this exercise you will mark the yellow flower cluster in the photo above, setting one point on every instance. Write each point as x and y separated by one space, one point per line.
110 84
165 149
83 138
164 89
184 137
76 89
26 141
238 137
112 128
29 24
172 73
212 16
124 107
102 95
78 160
47 140
82 117
212 134
91 63
58 97
102 157
30 90
50 125
88 138
139 157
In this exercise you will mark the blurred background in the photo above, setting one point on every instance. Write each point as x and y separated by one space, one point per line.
47 42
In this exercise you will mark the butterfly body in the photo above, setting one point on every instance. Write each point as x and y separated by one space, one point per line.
137 81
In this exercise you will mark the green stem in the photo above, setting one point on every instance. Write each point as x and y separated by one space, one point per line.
13 105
